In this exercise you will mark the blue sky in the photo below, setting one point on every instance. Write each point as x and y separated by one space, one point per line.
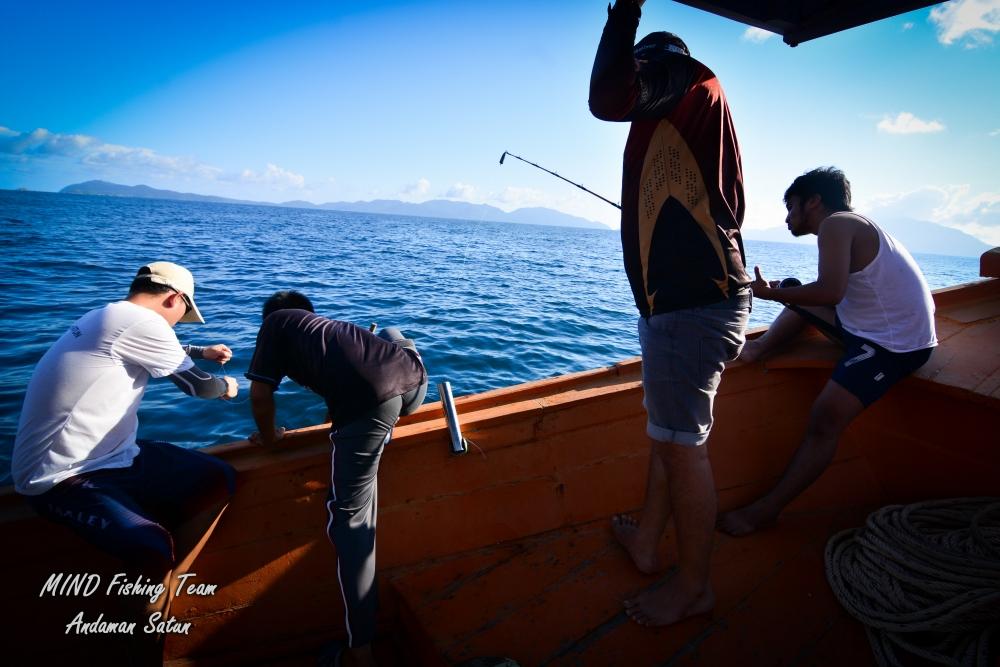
344 101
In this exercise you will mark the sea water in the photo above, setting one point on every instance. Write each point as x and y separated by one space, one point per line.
488 304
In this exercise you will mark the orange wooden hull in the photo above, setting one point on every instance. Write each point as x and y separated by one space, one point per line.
506 550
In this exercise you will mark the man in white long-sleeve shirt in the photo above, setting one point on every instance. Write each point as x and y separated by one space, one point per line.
76 458
871 296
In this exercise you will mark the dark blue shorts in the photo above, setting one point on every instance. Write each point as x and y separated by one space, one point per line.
867 370
133 512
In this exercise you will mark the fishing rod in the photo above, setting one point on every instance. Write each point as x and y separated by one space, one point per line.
506 153
825 327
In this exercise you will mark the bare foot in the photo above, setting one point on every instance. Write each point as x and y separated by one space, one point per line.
744 521
626 530
671 603
753 350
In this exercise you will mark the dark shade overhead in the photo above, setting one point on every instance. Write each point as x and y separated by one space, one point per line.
802 20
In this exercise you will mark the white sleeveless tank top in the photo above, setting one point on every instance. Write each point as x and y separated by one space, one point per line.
888 302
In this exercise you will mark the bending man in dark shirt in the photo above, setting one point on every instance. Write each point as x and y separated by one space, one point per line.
367 381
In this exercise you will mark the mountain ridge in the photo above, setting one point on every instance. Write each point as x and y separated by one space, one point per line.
917 236
434 208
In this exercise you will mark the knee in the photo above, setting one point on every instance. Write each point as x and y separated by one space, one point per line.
348 498
824 425
220 480
679 454
149 548
228 478
215 485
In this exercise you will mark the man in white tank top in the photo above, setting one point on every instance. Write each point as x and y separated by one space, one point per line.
870 296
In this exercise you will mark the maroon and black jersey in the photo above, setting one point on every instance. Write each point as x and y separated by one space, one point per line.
682 180
351 368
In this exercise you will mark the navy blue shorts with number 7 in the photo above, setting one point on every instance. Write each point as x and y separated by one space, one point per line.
867 370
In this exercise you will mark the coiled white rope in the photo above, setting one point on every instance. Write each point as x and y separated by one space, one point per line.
924 579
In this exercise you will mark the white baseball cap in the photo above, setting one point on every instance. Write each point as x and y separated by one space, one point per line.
178 278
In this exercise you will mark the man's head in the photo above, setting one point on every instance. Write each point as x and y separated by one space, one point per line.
815 195
656 45
287 299
171 287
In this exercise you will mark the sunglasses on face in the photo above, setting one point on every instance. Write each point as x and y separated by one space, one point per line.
188 306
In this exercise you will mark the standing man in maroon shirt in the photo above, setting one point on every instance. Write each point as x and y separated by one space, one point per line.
682 207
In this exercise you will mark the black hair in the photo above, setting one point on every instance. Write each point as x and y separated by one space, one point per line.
143 285
829 183
655 44
287 299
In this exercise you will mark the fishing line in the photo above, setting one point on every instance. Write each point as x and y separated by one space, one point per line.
222 367
477 447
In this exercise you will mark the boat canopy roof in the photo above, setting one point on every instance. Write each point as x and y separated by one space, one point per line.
801 20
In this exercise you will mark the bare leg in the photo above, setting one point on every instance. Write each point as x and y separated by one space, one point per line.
641 540
785 327
692 496
832 412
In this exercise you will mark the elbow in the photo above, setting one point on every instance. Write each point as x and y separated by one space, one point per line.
603 109
826 291
614 93
830 296
199 384
211 390
599 111
610 100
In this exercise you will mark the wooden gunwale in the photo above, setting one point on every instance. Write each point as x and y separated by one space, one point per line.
558 457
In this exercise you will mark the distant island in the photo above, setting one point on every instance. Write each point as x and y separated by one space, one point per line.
918 236
436 208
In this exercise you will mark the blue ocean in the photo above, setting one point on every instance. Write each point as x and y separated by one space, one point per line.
488 304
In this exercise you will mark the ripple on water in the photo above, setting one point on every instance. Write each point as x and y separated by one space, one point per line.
488 304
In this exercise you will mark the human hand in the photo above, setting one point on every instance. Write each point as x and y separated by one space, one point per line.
232 388
256 438
763 289
220 353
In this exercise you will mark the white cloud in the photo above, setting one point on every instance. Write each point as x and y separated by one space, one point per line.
137 163
951 205
275 176
41 142
973 22
511 198
984 233
462 192
756 35
145 161
906 123
908 25
418 189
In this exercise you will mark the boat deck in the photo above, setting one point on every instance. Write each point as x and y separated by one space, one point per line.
556 599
